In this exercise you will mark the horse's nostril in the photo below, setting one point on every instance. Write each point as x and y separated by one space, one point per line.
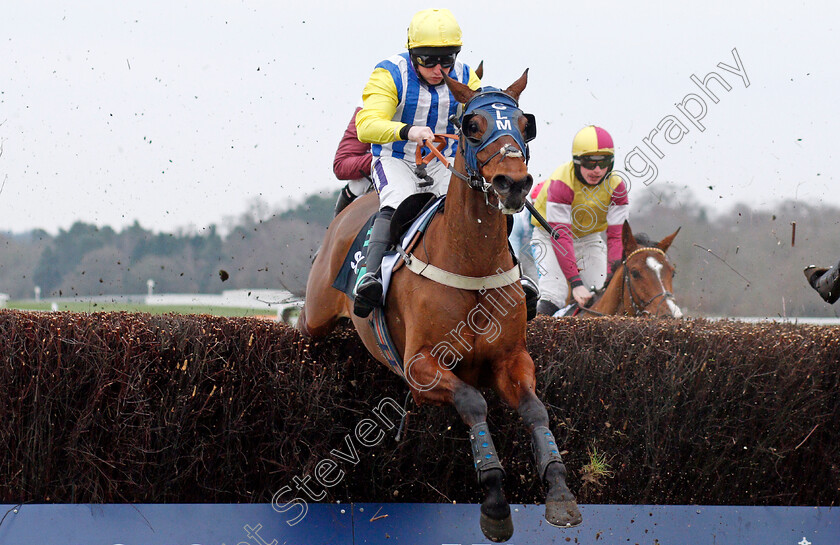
527 182
502 182
505 184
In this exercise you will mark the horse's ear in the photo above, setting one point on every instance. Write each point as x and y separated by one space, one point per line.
480 70
627 239
518 86
665 243
461 92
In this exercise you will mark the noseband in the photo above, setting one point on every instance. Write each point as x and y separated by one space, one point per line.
629 283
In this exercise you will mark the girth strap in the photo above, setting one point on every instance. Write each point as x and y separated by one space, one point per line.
453 280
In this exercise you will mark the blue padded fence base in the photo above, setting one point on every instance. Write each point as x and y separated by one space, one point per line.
410 524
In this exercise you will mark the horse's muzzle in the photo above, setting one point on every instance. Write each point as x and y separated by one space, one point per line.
512 193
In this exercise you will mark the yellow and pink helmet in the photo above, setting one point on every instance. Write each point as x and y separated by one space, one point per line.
593 146
592 140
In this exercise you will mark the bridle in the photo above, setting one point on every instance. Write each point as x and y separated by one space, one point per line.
504 120
665 294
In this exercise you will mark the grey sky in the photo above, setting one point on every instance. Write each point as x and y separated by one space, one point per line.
179 114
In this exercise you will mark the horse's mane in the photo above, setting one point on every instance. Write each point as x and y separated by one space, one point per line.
643 240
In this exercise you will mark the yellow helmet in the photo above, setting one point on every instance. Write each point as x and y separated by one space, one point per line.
434 28
592 140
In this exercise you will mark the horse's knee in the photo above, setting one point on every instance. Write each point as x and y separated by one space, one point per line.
470 404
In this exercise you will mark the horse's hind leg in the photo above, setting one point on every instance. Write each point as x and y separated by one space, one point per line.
324 304
516 387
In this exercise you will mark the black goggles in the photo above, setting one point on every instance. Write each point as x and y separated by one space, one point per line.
590 163
430 61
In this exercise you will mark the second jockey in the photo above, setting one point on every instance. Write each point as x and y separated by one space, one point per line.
581 199
352 163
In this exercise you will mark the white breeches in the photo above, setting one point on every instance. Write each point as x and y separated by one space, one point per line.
591 255
394 180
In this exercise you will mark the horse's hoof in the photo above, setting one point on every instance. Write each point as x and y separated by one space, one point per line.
563 514
496 531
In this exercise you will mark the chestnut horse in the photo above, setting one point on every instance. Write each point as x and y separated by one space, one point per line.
642 285
455 340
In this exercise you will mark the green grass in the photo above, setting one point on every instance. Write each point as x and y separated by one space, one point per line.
132 307
598 467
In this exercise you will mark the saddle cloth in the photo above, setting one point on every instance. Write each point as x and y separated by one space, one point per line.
345 280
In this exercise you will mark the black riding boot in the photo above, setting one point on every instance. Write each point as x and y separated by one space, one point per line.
547 307
826 282
532 296
532 292
345 197
369 288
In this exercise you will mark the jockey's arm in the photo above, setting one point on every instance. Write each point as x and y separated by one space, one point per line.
559 216
374 122
474 83
352 158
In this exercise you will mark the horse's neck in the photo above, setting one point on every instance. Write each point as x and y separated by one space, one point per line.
476 234
613 299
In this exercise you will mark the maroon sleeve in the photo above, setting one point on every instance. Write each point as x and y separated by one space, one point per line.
352 158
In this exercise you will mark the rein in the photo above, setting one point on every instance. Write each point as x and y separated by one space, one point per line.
475 180
421 161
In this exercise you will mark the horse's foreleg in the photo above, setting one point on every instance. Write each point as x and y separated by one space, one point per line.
560 505
516 387
432 384
495 521
323 305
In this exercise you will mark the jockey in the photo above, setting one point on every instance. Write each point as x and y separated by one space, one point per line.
406 102
352 163
580 200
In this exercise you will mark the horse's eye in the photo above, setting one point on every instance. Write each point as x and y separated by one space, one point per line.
636 274
472 129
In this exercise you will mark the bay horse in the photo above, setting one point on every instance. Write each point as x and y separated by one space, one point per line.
455 340
642 284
